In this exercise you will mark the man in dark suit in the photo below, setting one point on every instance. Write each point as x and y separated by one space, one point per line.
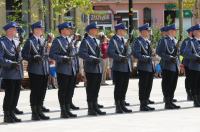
192 52
186 61
90 52
62 52
167 50
34 51
12 71
143 52
121 55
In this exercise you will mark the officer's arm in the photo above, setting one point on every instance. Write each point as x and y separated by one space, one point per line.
188 52
54 51
137 52
161 51
83 52
26 51
4 62
182 48
112 51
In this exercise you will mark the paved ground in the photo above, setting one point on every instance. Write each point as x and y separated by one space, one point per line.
183 120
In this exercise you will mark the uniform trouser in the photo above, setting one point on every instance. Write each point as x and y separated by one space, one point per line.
93 86
145 84
121 84
38 86
12 91
195 80
74 86
187 80
169 82
65 88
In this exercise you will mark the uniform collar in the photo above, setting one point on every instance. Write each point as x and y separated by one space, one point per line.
11 39
172 38
91 37
120 37
37 38
198 39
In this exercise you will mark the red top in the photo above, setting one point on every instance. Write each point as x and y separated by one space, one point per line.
104 49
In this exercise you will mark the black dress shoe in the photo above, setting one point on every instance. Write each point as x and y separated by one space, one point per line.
35 114
44 109
98 111
91 109
174 100
70 114
150 102
15 118
73 107
123 106
189 98
8 118
41 114
151 108
196 101
146 108
126 104
176 106
18 112
118 107
43 117
100 106
63 113
169 106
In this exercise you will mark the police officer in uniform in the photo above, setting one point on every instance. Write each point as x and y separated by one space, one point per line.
34 51
186 63
120 52
192 52
167 50
62 52
90 52
142 51
12 71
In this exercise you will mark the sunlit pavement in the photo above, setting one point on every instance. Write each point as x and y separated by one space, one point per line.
186 119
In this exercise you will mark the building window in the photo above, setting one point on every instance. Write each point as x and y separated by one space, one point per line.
170 16
13 10
147 15
125 18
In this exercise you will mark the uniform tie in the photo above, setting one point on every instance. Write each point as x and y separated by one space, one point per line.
122 39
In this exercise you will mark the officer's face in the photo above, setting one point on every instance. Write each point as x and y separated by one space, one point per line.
172 33
11 32
66 32
122 32
38 31
94 32
146 33
197 33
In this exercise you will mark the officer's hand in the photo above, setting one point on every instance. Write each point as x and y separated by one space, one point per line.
198 59
14 65
173 59
147 58
67 60
96 60
124 59
37 58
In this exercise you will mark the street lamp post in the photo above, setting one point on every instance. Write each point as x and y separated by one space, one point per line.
180 3
130 14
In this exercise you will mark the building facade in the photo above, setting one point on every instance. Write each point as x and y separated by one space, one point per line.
155 12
